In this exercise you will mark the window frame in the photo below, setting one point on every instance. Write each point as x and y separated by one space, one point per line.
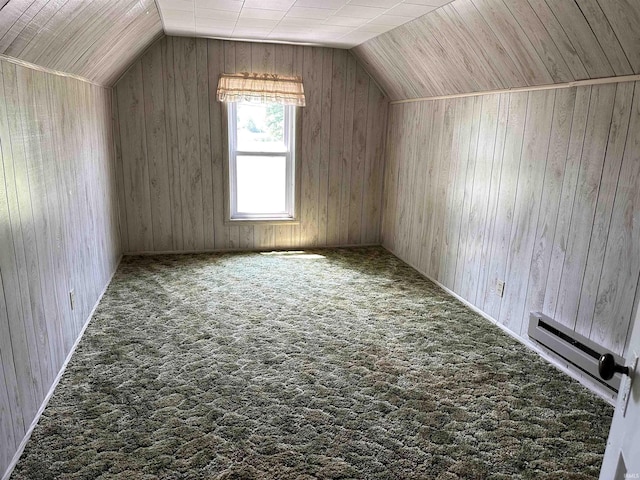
291 132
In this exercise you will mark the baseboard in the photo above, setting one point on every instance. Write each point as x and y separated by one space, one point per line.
45 402
565 368
255 249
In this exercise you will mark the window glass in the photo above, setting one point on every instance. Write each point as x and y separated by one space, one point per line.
261 128
262 183
261 161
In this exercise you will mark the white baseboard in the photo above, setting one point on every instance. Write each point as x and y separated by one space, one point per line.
247 250
45 402
595 387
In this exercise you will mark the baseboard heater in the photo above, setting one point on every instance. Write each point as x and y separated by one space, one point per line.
573 347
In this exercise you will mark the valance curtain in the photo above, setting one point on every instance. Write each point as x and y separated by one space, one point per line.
264 88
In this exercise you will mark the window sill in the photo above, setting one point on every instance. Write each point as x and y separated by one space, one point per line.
261 221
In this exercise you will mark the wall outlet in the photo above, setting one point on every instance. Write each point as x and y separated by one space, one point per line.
72 298
500 288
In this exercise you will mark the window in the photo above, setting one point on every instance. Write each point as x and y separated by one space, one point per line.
261 160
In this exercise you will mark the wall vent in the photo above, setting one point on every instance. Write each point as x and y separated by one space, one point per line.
573 347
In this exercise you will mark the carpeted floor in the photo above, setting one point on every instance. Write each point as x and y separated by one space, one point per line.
340 364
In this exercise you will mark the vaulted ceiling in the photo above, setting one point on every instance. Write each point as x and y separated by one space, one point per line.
481 45
331 23
94 39
464 46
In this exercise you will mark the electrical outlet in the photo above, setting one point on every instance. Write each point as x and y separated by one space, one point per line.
72 298
500 288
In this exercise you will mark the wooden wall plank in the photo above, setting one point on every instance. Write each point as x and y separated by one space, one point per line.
215 66
602 220
325 146
390 196
91 39
374 164
479 198
135 161
311 119
175 195
619 279
155 129
421 154
541 192
341 156
569 183
206 154
23 240
559 38
58 231
550 200
338 73
11 421
582 38
432 228
463 243
514 41
486 45
62 148
450 217
30 85
584 203
485 286
606 37
358 155
459 158
119 173
347 152
284 55
624 17
15 364
527 207
404 223
538 35
189 143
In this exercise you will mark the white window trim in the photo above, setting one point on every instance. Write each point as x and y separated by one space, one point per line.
290 141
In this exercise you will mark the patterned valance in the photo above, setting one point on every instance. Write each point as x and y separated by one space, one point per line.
264 88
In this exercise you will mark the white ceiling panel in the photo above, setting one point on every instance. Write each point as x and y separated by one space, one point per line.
229 5
220 16
334 23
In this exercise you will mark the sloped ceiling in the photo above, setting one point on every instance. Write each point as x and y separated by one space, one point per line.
330 23
94 39
480 45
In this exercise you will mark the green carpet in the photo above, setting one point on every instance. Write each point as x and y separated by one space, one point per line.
341 364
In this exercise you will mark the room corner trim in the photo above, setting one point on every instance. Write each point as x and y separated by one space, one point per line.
38 68
550 86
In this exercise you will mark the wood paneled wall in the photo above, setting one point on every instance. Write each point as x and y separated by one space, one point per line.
170 129
483 45
93 39
58 231
540 189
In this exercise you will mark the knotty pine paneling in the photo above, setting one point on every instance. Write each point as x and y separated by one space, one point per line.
93 39
58 231
540 189
484 45
170 135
